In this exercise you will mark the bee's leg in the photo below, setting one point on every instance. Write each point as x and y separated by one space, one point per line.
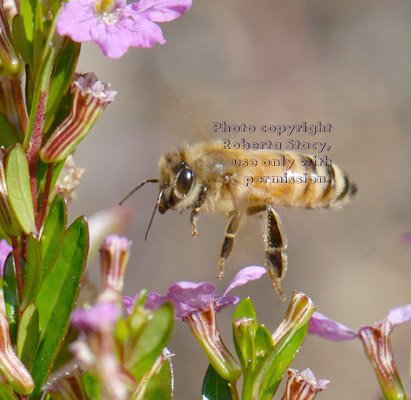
275 259
202 196
227 246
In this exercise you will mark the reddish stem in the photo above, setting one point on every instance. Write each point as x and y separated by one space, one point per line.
20 103
24 245
34 147
45 199
19 274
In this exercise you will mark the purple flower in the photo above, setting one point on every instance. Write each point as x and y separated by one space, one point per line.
96 317
376 341
5 250
189 297
115 26
196 304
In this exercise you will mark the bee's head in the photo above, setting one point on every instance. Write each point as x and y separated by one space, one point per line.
177 180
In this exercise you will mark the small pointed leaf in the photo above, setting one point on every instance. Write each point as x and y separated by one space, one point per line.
27 336
160 386
57 298
18 186
215 387
34 271
152 340
52 235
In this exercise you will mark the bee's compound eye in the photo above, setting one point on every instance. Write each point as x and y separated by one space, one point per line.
185 179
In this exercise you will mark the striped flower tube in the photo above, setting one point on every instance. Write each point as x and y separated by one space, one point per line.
90 98
8 220
114 254
10 366
377 346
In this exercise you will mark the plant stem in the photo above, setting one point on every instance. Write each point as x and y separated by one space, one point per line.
45 199
19 274
34 147
233 390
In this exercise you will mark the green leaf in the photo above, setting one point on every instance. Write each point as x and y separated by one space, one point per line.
57 298
152 340
275 364
11 295
91 386
160 386
6 393
18 186
244 328
215 387
27 12
8 136
19 39
53 231
61 79
34 271
65 355
263 341
27 336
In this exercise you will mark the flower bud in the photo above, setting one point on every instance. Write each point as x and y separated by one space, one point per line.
377 346
298 314
90 98
303 386
10 365
114 254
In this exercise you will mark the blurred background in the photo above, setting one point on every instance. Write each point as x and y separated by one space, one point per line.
344 63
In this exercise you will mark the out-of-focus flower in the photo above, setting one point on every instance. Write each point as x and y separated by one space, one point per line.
197 304
10 366
68 180
105 222
377 345
407 239
5 250
114 254
90 98
67 387
97 350
303 386
115 26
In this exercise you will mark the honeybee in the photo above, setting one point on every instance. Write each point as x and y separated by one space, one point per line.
204 177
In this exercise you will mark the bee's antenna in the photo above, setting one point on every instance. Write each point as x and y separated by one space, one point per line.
136 188
152 215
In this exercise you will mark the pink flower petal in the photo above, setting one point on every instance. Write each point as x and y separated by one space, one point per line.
247 274
330 329
5 250
161 10
399 315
